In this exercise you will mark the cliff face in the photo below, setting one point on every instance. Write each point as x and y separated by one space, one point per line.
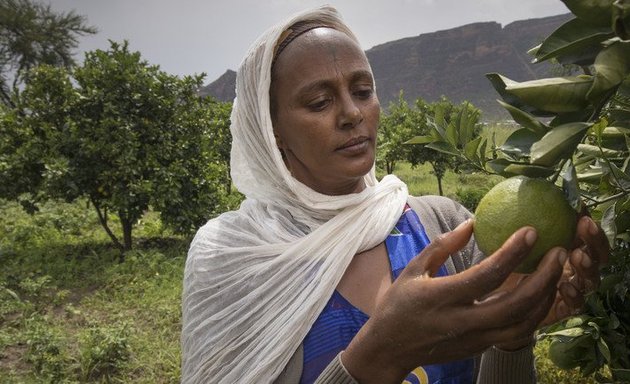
452 63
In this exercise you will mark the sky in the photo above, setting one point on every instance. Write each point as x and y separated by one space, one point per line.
186 37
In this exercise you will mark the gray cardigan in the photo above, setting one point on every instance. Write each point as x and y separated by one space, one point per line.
439 215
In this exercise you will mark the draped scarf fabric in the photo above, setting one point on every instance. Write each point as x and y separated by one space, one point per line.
257 278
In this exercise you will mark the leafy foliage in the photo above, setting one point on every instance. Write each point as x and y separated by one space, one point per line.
577 129
397 124
32 34
442 116
122 134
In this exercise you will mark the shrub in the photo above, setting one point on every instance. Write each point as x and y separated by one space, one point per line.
104 351
46 350
469 197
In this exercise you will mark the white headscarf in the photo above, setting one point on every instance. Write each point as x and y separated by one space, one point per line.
257 278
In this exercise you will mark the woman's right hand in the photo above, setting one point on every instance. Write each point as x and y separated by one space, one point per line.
425 320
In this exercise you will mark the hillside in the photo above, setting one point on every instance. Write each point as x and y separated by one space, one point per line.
451 62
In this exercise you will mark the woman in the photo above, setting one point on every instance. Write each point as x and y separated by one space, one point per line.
316 275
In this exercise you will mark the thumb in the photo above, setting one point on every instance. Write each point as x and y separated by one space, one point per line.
437 252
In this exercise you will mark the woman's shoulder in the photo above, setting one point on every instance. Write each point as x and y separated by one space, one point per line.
440 207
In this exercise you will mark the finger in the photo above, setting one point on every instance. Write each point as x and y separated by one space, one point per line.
586 276
531 299
437 252
572 298
595 240
481 279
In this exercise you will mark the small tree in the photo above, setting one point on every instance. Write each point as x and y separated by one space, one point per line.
32 34
121 133
395 127
577 129
441 115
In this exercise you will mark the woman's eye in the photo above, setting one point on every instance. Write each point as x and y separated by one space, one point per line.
364 93
319 105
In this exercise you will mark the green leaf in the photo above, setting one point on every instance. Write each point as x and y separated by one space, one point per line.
528 170
555 94
569 332
576 321
470 148
574 42
592 175
519 142
443 147
420 140
596 12
558 143
508 168
615 132
500 84
581 115
593 150
525 119
603 349
612 66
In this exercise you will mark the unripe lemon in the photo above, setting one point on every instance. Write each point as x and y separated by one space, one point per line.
520 201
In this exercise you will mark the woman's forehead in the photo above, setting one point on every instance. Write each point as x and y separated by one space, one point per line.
318 47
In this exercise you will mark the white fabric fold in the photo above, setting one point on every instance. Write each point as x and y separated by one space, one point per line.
257 278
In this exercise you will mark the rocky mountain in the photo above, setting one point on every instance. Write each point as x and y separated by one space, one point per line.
450 63
223 88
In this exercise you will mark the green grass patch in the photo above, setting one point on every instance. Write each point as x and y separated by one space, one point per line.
71 313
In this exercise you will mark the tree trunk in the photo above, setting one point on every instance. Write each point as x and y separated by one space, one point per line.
439 178
127 225
102 218
389 167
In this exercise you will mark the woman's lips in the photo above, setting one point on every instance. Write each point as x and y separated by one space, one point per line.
355 146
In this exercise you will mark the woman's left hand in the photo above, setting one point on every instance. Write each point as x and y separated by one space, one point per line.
580 276
581 271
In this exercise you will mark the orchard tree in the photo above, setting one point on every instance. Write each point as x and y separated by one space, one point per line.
576 130
220 127
32 34
121 133
395 127
442 116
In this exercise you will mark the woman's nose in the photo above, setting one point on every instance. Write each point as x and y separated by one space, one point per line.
350 114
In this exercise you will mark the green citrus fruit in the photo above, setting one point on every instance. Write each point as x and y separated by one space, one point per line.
520 201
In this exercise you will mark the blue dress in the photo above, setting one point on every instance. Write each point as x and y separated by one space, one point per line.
340 321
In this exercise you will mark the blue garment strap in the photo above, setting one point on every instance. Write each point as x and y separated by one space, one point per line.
340 321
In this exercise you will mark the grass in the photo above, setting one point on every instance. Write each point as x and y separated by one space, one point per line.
71 313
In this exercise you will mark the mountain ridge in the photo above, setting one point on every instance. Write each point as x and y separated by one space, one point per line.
450 63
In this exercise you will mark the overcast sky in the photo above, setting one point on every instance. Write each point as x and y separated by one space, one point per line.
192 36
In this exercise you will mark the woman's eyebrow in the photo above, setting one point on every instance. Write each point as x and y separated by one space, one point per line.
330 83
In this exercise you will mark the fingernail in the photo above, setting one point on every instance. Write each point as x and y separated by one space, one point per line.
572 291
586 261
562 257
463 223
530 237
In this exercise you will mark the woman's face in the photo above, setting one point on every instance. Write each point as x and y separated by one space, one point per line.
325 111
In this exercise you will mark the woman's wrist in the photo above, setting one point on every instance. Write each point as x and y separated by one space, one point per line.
517 345
367 364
